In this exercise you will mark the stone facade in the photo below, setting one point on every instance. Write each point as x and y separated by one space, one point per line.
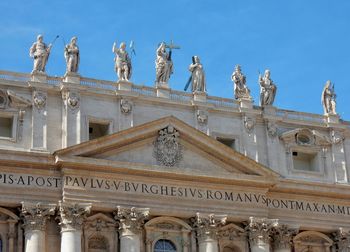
91 165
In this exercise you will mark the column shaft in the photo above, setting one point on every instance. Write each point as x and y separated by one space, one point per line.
71 241
35 241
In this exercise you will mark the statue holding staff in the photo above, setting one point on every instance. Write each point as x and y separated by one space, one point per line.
328 99
122 65
72 56
40 52
198 76
164 63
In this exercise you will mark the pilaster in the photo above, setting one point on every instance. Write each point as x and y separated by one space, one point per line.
39 119
71 116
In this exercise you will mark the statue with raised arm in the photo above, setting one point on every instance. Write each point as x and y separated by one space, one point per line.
328 99
40 53
72 56
197 76
240 88
267 89
164 64
122 61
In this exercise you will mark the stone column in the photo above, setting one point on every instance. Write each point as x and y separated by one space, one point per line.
71 220
283 238
207 230
130 227
34 219
342 240
259 230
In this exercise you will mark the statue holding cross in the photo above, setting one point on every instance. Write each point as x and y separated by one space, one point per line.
164 63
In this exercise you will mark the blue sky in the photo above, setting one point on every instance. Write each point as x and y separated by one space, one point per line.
303 42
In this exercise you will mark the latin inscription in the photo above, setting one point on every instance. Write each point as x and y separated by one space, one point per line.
122 186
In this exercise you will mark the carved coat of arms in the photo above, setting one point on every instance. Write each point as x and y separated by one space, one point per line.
167 148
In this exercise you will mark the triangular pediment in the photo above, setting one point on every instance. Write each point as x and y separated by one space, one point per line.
166 145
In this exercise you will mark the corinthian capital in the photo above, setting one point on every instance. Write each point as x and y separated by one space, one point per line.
207 226
72 216
35 215
283 236
342 240
131 219
259 230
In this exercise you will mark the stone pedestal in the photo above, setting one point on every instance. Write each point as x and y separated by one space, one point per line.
38 77
332 118
34 218
123 85
245 103
207 229
71 77
200 96
130 227
270 110
71 220
163 90
260 230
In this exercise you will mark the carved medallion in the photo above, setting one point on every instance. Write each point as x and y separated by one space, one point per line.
125 106
249 124
73 100
202 117
271 129
39 99
3 99
167 147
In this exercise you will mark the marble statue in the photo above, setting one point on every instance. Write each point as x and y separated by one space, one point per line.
40 52
122 61
164 64
240 88
198 76
71 54
328 98
267 89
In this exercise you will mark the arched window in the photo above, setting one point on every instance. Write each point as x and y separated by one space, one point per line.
164 246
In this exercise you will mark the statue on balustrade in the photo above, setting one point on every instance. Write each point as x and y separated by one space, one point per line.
40 52
239 80
328 99
197 76
267 89
72 56
164 64
122 66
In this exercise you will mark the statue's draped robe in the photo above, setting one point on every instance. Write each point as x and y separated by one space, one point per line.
198 78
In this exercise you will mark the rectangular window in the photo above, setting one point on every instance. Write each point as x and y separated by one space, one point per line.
6 127
227 141
97 130
305 161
